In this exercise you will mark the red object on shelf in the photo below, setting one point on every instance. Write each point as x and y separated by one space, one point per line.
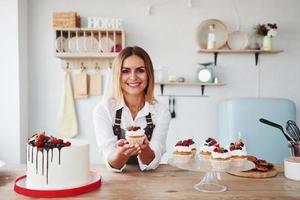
21 189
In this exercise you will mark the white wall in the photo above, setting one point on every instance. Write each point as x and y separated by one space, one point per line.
168 35
23 71
13 80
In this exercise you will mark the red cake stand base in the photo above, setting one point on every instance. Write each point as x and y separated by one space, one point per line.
20 188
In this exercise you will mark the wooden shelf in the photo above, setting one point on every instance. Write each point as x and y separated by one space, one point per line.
190 84
239 51
85 55
256 52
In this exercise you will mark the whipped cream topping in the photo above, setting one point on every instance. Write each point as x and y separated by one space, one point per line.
220 155
182 148
206 148
139 132
239 152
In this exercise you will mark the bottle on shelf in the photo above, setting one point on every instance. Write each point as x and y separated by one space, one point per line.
211 40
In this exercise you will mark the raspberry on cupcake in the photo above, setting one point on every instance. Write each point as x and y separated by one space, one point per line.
220 158
207 147
182 151
135 135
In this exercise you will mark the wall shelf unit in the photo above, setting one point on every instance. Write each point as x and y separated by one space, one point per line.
256 52
88 46
85 55
187 84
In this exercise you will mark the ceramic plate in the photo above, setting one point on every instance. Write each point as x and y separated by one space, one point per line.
91 44
61 44
106 44
21 188
73 44
238 40
221 32
80 44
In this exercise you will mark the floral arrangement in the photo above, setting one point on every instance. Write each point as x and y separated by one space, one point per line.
266 29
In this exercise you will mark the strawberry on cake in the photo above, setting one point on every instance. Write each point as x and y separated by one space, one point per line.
135 135
220 158
238 152
183 151
207 147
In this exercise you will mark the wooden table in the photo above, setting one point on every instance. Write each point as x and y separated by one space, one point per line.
166 182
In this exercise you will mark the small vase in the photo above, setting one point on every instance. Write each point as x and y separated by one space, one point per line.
267 43
255 41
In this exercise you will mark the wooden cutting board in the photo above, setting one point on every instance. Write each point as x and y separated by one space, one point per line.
255 174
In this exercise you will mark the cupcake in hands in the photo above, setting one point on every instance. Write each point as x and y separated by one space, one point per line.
207 147
135 135
238 152
182 151
220 158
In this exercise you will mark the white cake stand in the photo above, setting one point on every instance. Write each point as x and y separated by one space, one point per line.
211 182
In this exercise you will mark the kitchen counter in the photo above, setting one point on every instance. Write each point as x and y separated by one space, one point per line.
166 182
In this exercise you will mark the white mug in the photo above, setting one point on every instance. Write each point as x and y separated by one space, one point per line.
292 168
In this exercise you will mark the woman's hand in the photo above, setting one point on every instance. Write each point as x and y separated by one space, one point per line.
126 149
146 154
118 158
145 144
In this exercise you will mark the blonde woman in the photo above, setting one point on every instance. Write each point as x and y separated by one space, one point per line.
131 103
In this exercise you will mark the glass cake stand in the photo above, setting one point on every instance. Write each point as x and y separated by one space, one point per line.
211 181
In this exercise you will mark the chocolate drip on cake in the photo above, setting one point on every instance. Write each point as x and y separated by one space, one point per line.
47 166
42 162
59 155
43 142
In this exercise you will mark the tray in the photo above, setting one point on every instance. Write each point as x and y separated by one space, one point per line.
255 174
221 32
20 188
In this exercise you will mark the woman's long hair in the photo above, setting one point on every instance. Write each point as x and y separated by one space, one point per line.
116 73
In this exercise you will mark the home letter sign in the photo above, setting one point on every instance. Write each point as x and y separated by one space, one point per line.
99 22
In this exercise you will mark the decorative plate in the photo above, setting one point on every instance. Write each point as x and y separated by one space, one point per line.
81 44
61 44
106 44
238 40
73 44
91 44
221 32
21 188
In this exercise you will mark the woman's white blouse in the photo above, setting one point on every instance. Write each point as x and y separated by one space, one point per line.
104 118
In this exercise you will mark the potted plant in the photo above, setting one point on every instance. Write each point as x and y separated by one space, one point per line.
268 31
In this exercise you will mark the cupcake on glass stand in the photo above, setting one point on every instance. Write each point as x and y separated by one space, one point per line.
191 145
220 158
182 152
207 147
238 152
